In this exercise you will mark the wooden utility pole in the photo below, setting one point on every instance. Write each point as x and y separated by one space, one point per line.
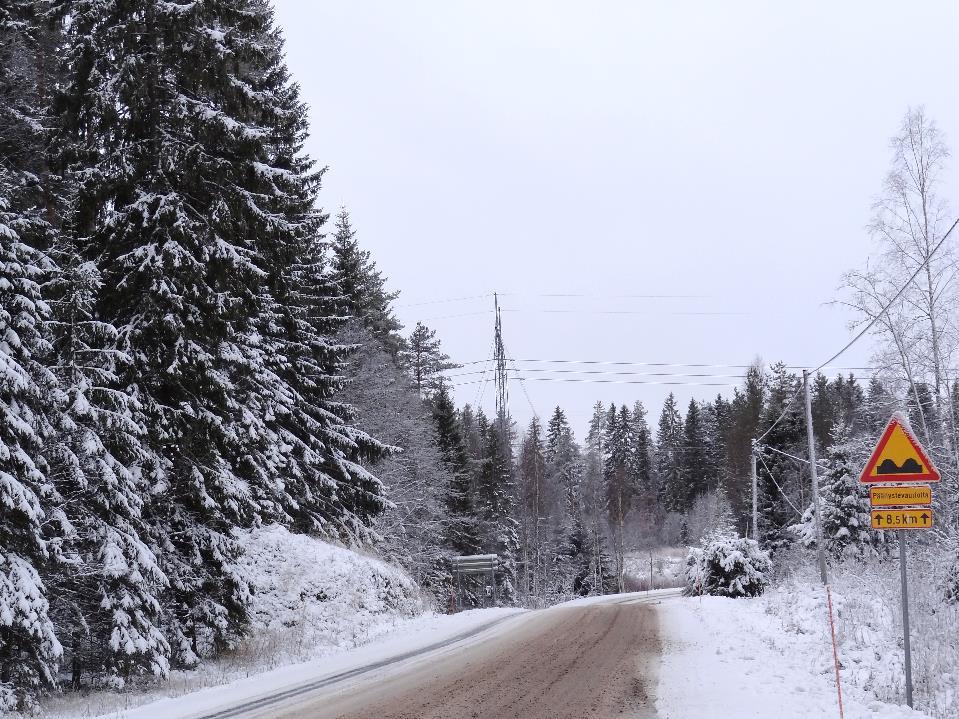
814 478
752 466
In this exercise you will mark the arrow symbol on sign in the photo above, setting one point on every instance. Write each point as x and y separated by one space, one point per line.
925 518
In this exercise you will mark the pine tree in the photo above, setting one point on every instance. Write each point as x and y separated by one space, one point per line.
328 488
823 409
469 427
562 464
426 360
847 400
642 449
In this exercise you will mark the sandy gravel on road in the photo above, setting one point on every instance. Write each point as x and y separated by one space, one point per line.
588 662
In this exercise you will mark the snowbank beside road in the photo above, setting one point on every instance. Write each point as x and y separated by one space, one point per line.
310 600
310 595
416 635
740 657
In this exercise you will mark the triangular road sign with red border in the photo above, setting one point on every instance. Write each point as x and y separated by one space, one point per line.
898 457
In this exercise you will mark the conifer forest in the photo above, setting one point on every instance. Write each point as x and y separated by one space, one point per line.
196 342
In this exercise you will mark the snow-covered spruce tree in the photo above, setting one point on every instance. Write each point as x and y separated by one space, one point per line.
696 452
564 473
328 487
727 566
29 648
104 587
496 497
647 505
194 202
462 533
619 479
780 479
363 286
844 503
413 526
541 503
674 494
592 495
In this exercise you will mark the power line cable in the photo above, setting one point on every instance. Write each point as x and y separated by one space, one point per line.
607 381
781 491
895 297
658 364
865 329
481 389
522 383
607 373
791 456
445 300
626 312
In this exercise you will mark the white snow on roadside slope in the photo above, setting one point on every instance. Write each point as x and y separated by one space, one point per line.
416 634
314 594
730 658
311 600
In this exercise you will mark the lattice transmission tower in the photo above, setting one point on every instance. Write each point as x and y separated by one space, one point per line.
502 378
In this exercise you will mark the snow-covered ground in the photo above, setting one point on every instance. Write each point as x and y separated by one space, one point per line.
420 634
762 658
311 601
866 596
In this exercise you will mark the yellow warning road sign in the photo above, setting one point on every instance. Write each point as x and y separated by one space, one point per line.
898 458
901 518
919 495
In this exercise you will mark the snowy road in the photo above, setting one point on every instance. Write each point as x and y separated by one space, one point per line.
575 661
583 659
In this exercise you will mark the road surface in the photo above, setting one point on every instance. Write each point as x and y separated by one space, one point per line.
571 662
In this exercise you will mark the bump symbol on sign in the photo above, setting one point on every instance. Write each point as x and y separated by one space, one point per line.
898 457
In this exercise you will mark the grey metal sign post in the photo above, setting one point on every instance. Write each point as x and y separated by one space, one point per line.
897 503
906 644
475 564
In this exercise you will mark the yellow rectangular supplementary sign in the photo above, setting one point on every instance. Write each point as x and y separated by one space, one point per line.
917 496
901 518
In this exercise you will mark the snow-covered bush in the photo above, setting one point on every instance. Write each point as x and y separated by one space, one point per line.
727 566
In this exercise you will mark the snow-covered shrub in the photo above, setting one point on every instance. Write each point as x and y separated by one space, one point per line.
727 566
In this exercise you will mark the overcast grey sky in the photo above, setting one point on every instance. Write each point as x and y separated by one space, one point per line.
728 152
